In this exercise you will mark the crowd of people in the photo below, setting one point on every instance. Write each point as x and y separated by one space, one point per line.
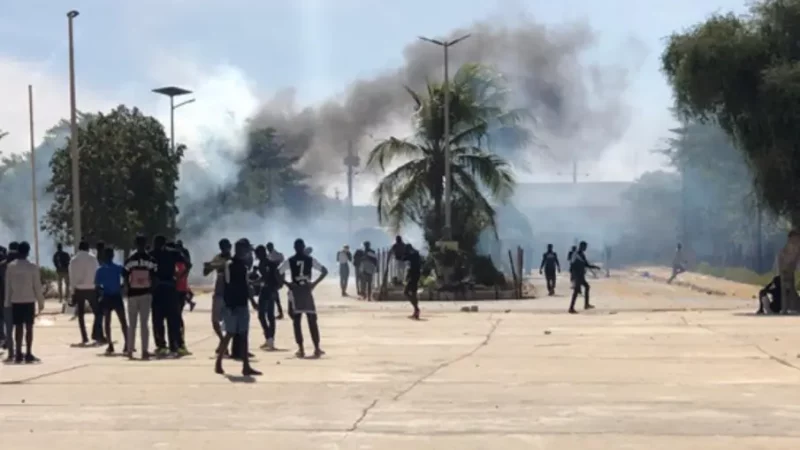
578 268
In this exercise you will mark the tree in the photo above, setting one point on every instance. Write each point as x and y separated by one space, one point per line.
414 191
743 73
128 179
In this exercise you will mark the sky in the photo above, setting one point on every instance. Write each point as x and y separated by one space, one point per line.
235 54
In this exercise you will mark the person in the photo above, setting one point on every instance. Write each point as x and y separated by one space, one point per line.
61 263
237 344
769 298
165 299
398 251
578 268
276 257
140 269
108 279
190 295
414 261
678 263
3 256
570 257
302 302
185 295
235 311
100 251
344 258
358 258
549 265
217 264
8 320
369 265
23 293
270 282
82 269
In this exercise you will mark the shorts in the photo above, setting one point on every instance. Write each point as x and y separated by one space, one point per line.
23 313
236 320
112 302
302 300
217 305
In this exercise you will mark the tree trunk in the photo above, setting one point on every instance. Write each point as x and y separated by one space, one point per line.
787 264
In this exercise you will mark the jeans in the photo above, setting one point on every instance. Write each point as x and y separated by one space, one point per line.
165 308
266 312
139 311
8 326
344 276
81 297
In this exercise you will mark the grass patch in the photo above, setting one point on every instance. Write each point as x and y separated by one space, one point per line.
740 274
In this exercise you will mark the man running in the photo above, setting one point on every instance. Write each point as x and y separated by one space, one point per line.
414 262
570 258
165 299
108 280
82 270
578 269
300 266
276 257
235 312
678 263
270 282
344 258
217 264
140 269
61 263
23 292
549 266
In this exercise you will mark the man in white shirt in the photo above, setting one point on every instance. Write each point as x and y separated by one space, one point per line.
23 292
82 270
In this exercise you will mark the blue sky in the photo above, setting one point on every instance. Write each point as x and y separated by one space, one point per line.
245 50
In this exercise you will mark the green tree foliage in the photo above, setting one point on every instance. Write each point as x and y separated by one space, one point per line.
128 179
414 191
744 74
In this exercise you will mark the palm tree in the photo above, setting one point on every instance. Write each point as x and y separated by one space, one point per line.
414 191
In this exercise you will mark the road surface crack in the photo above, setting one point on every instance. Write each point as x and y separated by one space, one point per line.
363 416
446 364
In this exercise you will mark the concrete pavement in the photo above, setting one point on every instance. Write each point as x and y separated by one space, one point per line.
654 366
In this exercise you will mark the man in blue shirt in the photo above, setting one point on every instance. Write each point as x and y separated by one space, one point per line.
108 279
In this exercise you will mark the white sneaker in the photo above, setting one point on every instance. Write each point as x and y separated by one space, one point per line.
271 344
765 305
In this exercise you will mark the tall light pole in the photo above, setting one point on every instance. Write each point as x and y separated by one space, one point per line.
448 212
33 178
73 139
172 92
351 161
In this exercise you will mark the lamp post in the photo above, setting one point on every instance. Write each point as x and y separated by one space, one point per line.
33 178
448 229
172 92
351 161
73 139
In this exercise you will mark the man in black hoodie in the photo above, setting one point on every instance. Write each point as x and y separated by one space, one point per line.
578 268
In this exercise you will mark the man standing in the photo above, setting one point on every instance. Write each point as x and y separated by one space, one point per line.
358 258
82 270
369 265
188 296
61 263
270 280
108 279
549 266
414 261
235 312
344 258
165 299
23 292
300 266
8 321
579 266
276 257
217 264
678 263
140 269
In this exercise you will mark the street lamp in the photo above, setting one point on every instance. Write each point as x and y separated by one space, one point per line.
73 139
448 229
172 92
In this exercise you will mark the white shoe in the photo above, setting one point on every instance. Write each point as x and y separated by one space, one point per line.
765 305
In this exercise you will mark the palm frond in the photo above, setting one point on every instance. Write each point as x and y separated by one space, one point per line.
391 149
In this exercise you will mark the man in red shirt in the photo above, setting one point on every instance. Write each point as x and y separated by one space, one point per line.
184 295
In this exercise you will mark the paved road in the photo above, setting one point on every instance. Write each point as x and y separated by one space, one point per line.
654 367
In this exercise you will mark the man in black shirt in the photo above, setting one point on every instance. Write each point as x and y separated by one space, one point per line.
236 316
570 257
358 258
300 266
8 320
578 268
165 298
61 263
270 282
549 265
139 274
414 262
